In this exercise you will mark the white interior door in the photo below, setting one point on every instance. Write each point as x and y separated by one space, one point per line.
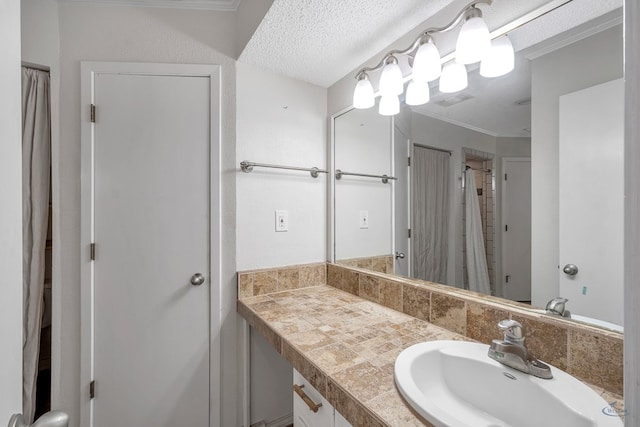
401 202
151 217
516 228
592 201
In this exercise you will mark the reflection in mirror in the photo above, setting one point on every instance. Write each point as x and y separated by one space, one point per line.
507 237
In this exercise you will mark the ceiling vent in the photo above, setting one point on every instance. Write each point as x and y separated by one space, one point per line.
453 100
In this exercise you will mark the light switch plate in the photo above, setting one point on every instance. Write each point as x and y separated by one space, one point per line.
282 221
364 219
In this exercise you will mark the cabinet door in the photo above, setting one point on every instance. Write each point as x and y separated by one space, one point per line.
303 416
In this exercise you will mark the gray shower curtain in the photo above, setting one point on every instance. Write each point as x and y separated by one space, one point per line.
36 165
430 214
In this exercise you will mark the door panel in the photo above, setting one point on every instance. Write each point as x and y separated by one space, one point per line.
151 225
516 215
592 201
401 202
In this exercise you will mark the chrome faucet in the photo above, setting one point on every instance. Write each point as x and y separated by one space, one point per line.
556 307
512 352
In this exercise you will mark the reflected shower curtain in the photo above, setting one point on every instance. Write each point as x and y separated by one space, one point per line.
36 164
476 255
430 214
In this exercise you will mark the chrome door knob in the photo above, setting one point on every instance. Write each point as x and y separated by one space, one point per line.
570 269
399 255
197 279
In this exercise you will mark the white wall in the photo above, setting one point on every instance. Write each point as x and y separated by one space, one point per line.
438 134
279 121
586 63
248 18
10 212
362 145
94 33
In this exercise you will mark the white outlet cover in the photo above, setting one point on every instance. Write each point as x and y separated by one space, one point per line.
364 219
282 221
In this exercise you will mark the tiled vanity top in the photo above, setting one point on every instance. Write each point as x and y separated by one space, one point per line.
345 346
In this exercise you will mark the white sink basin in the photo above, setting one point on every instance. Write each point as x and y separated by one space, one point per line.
455 383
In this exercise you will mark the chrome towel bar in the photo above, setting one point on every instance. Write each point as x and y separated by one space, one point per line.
385 179
248 166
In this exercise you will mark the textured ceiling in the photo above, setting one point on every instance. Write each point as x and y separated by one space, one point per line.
321 41
175 4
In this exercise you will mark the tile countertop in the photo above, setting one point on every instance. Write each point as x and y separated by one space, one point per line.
346 346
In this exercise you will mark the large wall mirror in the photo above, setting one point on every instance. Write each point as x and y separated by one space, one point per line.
523 172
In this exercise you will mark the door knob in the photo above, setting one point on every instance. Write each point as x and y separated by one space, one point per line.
570 269
197 279
399 255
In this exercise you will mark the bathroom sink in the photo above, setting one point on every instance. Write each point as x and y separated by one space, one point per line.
455 383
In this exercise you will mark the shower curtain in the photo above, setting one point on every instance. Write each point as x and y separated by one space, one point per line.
476 256
430 214
36 164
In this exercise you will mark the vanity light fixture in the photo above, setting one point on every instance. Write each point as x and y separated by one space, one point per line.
473 45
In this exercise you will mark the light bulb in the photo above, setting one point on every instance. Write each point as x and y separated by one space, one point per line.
426 65
363 96
453 78
473 41
417 93
500 59
389 105
391 79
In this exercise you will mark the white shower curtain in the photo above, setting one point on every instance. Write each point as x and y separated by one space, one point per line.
476 255
430 214
36 161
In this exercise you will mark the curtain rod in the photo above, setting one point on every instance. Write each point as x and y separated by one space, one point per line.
36 66
433 148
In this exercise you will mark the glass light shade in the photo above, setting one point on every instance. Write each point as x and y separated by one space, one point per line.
389 105
473 41
363 96
417 93
391 80
426 64
500 59
453 78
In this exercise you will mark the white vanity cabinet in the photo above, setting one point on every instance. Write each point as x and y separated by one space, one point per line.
310 409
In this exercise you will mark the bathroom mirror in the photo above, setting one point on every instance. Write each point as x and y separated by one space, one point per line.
488 127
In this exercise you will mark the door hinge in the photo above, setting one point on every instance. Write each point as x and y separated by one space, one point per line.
93 113
409 233
92 389
505 176
506 278
506 228
92 251
408 161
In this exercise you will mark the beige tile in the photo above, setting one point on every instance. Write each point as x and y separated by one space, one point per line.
362 381
379 264
343 279
307 369
390 265
449 312
310 339
547 342
597 359
482 322
313 275
265 282
416 302
391 294
288 279
334 357
245 285
369 288
350 409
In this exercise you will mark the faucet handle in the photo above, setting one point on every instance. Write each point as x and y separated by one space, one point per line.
512 331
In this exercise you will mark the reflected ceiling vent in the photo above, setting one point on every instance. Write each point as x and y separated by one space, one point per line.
453 100
525 101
